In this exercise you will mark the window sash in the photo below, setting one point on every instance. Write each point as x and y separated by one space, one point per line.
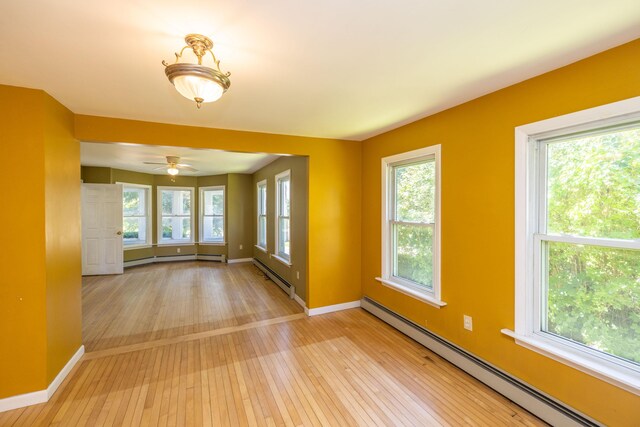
261 238
145 192
283 193
176 206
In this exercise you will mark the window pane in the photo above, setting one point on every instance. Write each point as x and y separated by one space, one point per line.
262 231
167 228
593 296
133 201
594 185
214 202
262 200
415 192
185 199
284 243
185 232
213 228
167 202
135 230
413 257
284 196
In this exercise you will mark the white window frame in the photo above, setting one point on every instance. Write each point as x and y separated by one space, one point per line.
201 215
432 297
528 286
259 214
174 242
148 203
282 257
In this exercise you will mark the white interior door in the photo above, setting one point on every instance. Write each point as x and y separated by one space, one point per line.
101 229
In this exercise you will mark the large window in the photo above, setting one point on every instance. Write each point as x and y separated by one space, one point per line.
411 224
578 242
262 215
212 214
175 214
283 216
136 212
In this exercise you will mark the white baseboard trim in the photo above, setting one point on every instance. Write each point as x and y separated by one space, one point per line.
299 301
138 262
208 257
175 258
237 260
42 396
331 308
535 401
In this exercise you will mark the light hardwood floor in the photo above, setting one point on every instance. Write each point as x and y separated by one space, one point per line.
261 366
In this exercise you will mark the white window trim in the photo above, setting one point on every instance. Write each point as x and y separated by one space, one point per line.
527 291
387 279
277 255
212 242
258 215
173 242
148 216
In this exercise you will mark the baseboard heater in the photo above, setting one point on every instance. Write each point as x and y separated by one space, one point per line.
286 286
542 405
171 258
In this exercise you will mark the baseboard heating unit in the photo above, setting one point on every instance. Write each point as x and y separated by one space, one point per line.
286 286
538 403
172 258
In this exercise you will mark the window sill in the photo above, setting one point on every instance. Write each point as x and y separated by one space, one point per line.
613 373
412 293
260 248
131 247
212 243
282 260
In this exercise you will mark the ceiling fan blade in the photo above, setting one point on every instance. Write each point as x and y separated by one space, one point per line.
183 165
154 163
160 168
187 168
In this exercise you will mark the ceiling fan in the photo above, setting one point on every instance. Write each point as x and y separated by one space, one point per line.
173 165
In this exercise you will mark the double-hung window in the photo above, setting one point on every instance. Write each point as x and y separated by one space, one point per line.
578 241
175 215
283 216
262 215
411 224
212 214
136 212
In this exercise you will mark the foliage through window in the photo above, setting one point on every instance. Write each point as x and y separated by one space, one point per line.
591 288
411 224
578 240
283 215
212 211
136 213
175 207
262 214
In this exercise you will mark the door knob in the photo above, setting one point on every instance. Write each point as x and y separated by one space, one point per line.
119 233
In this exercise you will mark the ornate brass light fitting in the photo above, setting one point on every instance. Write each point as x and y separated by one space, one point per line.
196 81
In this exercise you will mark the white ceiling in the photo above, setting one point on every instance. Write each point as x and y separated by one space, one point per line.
332 68
207 162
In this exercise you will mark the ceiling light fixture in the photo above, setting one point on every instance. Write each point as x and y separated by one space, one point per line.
172 170
196 81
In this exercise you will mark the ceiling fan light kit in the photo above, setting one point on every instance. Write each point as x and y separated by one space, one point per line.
196 81
173 166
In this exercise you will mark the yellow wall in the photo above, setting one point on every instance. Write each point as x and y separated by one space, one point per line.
333 276
40 312
478 220
63 237
23 339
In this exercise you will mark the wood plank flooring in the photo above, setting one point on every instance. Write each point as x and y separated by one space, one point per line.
160 301
261 369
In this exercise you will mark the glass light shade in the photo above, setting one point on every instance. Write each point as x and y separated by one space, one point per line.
173 171
194 87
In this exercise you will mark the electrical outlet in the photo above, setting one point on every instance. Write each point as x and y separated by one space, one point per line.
178 250
468 322
240 247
